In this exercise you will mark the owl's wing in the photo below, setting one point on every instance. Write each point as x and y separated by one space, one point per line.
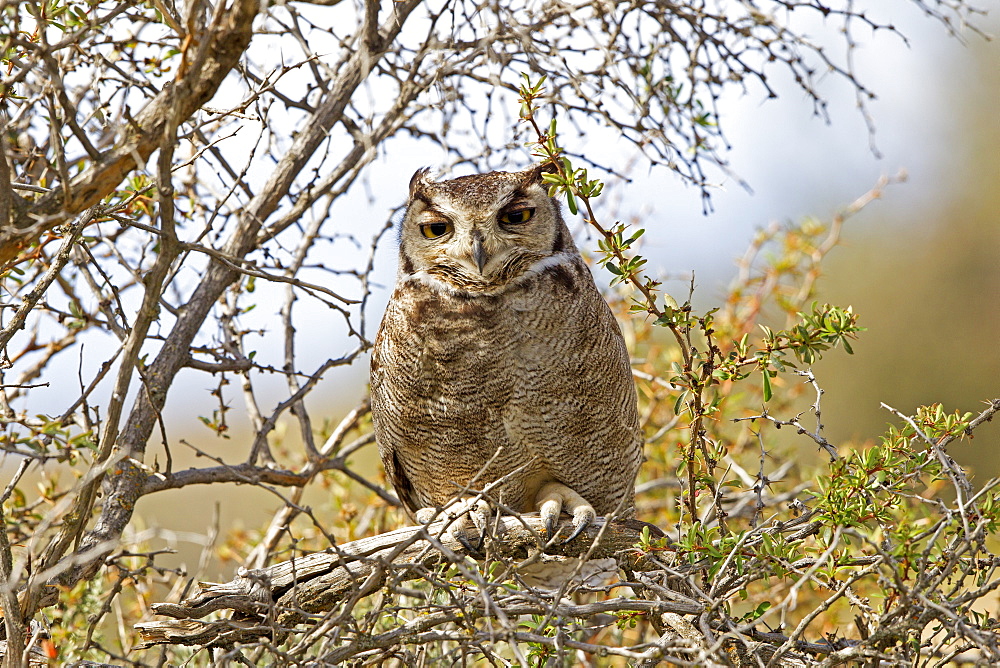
578 411
384 362
400 480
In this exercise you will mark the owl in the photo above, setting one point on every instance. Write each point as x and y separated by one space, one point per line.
498 365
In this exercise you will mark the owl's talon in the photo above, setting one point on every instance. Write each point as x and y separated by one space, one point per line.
480 514
554 498
550 526
579 528
426 515
472 550
462 515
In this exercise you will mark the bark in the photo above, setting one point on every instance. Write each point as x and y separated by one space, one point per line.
268 601
223 44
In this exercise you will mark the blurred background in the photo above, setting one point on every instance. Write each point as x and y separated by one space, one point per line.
921 266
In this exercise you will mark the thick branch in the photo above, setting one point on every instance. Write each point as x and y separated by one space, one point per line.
226 41
316 583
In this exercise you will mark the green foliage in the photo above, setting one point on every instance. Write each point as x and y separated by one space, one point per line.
576 186
823 328
539 654
756 613
48 436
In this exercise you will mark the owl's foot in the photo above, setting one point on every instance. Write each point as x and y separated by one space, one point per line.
460 513
554 498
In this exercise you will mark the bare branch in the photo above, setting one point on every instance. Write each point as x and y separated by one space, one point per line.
222 48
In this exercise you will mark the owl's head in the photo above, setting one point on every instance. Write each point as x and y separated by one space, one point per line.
478 234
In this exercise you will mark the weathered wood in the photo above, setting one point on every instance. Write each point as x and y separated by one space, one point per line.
286 592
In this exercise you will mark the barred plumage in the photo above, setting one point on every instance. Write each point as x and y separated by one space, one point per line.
498 356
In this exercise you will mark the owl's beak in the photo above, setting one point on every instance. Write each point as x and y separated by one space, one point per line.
478 254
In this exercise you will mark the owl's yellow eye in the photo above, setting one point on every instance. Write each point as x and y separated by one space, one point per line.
517 216
435 230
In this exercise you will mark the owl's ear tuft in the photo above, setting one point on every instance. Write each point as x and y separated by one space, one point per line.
419 181
534 174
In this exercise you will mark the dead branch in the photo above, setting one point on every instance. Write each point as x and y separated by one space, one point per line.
287 593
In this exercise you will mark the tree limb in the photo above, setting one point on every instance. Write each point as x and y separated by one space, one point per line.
223 45
126 486
289 592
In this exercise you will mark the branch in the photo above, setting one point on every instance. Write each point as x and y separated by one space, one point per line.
226 40
290 592
985 416
125 488
243 474
31 299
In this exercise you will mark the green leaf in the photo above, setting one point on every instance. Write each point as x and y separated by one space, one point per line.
571 202
678 405
767 386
